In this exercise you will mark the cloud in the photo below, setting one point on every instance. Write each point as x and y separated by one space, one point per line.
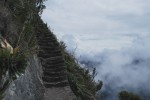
70 42
125 69
97 16
93 43
114 34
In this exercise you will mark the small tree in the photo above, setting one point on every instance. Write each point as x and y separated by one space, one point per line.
124 95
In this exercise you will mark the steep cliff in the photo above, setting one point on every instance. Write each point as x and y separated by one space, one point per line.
29 85
45 76
40 68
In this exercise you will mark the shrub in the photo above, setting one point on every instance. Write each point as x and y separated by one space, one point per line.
124 95
80 79
11 66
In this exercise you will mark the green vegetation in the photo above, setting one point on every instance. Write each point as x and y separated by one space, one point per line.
124 95
25 14
11 66
80 79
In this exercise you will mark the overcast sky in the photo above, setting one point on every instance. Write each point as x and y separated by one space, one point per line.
114 33
95 25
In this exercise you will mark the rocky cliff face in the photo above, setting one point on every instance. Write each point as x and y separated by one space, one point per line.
41 80
28 86
51 72
7 24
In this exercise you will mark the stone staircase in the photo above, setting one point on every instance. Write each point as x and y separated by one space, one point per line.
54 71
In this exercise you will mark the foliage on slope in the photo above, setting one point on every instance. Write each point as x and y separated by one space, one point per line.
80 79
124 95
11 66
26 14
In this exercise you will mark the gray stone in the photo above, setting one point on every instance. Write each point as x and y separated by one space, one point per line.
59 93
28 86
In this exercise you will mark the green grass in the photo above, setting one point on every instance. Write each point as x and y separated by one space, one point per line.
80 79
124 95
26 15
11 67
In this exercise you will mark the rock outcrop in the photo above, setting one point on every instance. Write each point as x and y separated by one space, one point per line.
45 77
28 86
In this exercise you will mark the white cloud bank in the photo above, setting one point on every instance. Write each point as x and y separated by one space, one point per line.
125 69
97 16
115 33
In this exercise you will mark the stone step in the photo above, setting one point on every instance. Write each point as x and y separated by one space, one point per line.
49 51
45 41
51 47
46 38
48 48
54 74
44 34
54 69
54 45
58 84
49 62
52 60
46 55
54 79
54 66
48 43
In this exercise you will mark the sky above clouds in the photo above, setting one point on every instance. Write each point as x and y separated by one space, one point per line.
113 33
110 24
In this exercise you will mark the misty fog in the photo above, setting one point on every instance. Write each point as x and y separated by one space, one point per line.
124 69
111 35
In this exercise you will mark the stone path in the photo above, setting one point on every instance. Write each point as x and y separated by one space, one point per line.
54 71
